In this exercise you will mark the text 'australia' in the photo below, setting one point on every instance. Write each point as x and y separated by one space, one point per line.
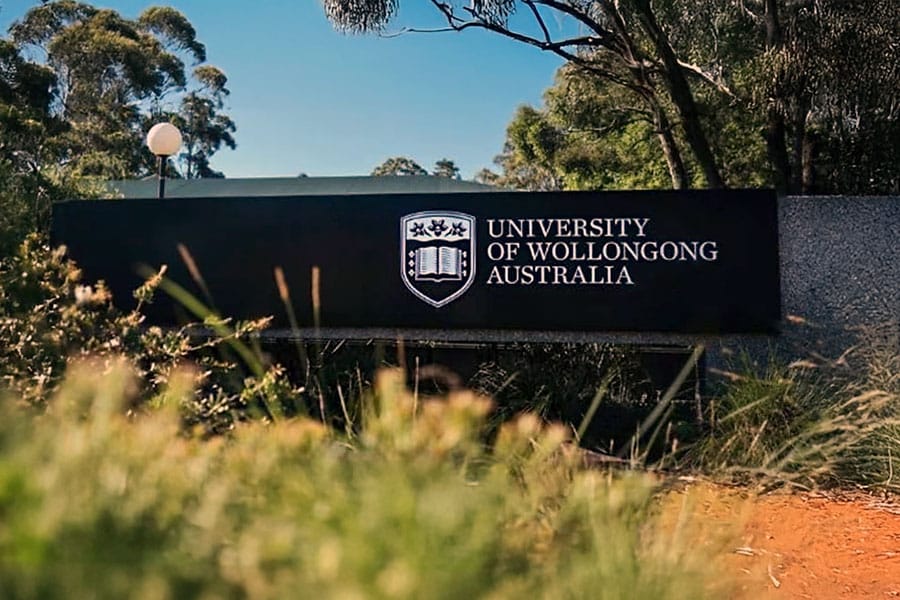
559 275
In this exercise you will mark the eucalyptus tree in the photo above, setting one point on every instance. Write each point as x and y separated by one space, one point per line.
26 120
840 75
529 160
113 75
799 93
588 135
446 168
206 129
818 76
585 136
399 165
26 123
619 41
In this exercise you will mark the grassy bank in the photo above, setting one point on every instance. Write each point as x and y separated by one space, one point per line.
99 503
813 423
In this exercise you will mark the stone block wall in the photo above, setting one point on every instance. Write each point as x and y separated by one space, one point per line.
840 276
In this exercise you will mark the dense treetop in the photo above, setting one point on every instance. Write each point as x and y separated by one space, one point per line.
107 78
795 93
79 88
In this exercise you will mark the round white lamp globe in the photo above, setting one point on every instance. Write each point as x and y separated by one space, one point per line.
164 139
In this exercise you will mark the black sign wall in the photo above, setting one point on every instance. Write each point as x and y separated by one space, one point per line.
690 262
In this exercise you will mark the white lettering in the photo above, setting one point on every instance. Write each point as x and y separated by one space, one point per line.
709 251
641 224
495 251
538 250
495 276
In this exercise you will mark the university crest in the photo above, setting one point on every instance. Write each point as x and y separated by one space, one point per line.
437 255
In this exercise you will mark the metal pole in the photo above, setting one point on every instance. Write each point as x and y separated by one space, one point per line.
161 176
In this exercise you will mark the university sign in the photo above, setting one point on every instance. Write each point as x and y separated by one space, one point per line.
686 262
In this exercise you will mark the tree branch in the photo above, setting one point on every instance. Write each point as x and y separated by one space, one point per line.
577 15
708 78
539 19
456 23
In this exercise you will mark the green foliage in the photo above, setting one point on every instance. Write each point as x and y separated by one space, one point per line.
528 158
26 122
111 78
589 135
399 165
96 504
821 68
49 318
853 132
205 128
608 138
26 198
24 206
758 414
556 381
25 106
810 424
446 168
360 15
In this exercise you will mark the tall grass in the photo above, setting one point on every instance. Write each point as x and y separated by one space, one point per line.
812 423
97 502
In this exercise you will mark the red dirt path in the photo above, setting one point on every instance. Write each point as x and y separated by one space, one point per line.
807 545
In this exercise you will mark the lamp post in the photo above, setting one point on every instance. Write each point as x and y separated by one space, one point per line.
164 140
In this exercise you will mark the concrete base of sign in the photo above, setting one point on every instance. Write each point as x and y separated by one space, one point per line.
840 279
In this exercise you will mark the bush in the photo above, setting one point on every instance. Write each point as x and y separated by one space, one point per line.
27 194
24 207
49 317
559 381
97 504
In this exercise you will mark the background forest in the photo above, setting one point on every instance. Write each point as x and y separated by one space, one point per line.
795 94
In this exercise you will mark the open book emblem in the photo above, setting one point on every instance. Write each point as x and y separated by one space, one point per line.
437 254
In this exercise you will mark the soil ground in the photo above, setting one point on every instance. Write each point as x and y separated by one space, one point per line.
801 545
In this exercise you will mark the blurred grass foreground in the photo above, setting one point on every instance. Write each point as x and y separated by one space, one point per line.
99 501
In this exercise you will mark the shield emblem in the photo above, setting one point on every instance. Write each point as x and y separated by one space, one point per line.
437 255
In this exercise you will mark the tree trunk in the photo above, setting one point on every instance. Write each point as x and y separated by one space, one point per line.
776 132
682 96
677 171
799 122
777 151
808 184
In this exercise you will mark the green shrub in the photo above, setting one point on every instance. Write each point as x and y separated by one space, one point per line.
559 381
96 504
49 317
25 202
28 191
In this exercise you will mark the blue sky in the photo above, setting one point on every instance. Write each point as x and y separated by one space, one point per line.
309 99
